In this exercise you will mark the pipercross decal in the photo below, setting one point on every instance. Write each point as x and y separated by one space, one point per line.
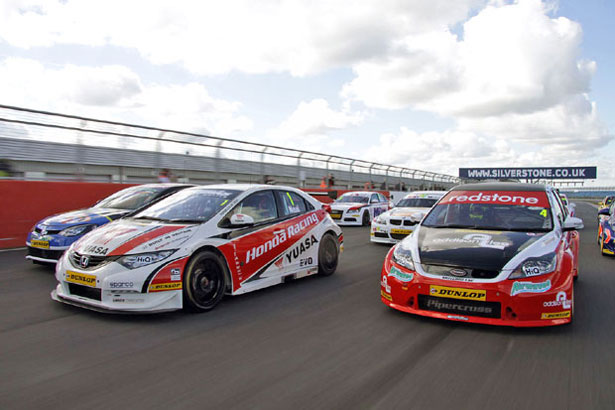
530 287
524 198
280 237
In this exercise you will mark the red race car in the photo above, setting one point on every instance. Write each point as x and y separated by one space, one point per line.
493 253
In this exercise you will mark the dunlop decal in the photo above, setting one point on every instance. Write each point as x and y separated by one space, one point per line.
457 293
162 287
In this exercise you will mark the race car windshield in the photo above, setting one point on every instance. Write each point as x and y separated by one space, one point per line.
189 205
505 211
416 203
130 198
353 199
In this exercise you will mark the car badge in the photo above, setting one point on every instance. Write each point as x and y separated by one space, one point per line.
458 272
84 261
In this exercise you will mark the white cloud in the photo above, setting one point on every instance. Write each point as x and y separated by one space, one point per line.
312 125
117 93
216 37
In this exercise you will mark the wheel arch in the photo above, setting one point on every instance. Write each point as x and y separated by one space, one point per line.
227 270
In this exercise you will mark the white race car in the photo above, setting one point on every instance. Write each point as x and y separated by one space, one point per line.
399 222
358 208
190 249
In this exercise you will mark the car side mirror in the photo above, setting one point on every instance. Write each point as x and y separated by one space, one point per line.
604 211
572 224
240 221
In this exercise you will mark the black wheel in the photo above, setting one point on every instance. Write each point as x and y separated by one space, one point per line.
204 281
365 219
328 255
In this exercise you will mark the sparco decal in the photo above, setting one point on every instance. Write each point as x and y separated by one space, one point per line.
303 246
530 287
280 237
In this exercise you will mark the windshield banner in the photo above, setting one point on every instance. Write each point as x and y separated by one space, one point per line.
525 198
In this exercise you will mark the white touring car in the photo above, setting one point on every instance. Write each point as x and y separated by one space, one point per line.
190 249
358 208
399 222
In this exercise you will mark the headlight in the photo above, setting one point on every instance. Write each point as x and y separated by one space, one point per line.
380 219
77 230
143 259
402 256
535 266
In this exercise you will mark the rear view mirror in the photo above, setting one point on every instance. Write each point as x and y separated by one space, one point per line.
572 224
241 220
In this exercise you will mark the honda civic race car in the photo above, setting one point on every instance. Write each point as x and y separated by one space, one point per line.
495 253
358 208
191 248
50 237
606 230
394 225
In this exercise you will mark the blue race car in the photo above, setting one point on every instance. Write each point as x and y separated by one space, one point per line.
50 237
606 230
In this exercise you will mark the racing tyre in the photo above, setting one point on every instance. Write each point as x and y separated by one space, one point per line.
365 219
328 255
204 281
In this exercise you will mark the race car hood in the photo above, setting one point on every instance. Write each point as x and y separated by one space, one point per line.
402 212
344 206
468 248
96 216
130 237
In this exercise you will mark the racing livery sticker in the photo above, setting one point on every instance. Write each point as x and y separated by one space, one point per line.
530 287
399 275
556 315
386 295
457 293
162 287
81 278
523 198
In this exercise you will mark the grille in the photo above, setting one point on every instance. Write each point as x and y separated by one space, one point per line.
399 236
93 263
471 273
350 219
84 291
395 221
49 231
45 253
334 212
381 235
460 306
410 223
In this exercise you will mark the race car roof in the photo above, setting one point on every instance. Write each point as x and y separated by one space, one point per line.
500 186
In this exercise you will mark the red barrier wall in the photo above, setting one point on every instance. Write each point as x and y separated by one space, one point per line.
23 203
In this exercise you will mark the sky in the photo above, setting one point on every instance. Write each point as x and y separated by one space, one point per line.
434 85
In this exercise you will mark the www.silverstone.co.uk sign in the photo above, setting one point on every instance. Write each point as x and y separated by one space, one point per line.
533 173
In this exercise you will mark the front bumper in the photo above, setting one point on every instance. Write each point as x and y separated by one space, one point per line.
134 292
385 233
486 303
346 218
50 255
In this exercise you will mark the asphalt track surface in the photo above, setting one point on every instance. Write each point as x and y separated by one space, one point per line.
313 343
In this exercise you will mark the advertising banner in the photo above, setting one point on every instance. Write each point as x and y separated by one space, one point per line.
529 173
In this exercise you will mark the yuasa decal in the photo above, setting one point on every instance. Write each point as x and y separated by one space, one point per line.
457 293
529 198
480 239
530 287
560 300
301 248
95 250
